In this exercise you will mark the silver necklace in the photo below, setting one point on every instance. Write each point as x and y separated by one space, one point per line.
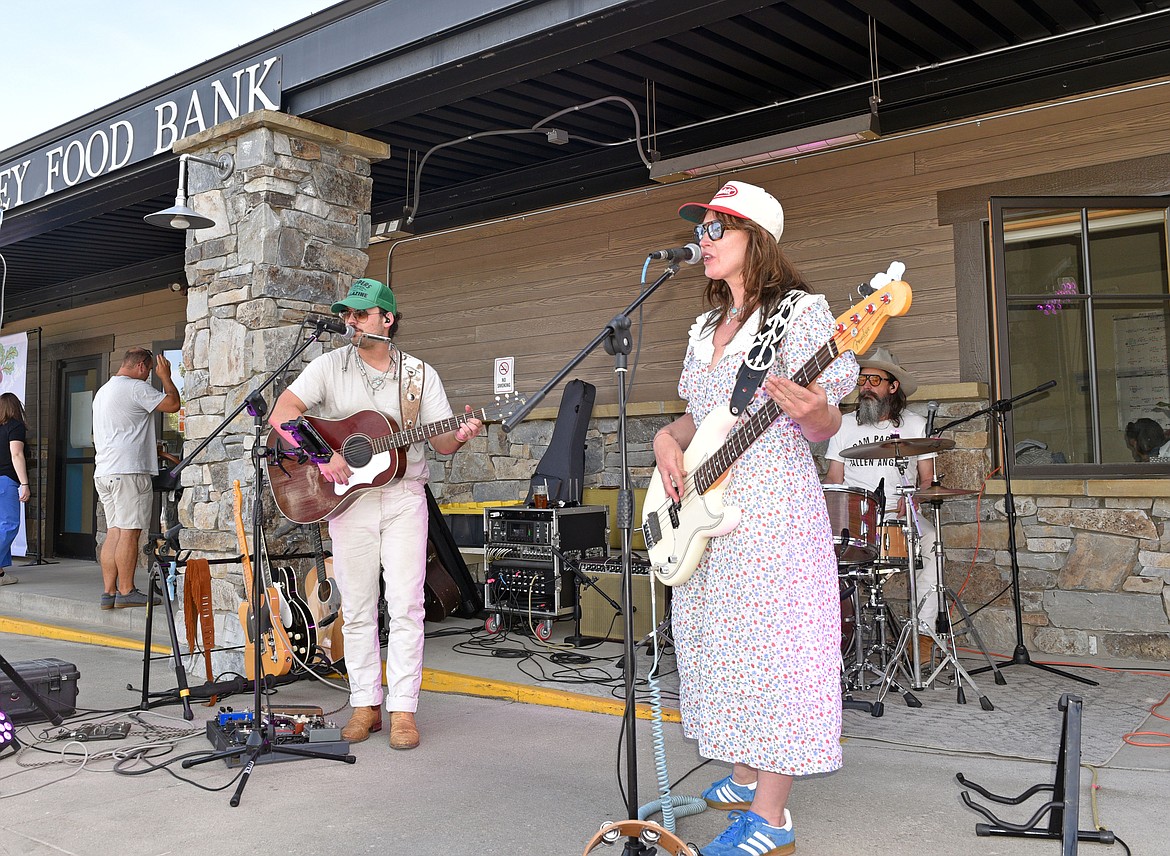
379 381
733 313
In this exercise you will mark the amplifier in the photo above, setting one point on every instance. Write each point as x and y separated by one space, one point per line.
597 615
524 573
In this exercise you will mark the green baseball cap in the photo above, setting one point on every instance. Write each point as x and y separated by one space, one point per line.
367 294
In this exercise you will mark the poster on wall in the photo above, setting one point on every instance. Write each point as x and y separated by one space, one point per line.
1143 388
13 377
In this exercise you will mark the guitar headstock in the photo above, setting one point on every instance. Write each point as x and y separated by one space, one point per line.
503 407
857 328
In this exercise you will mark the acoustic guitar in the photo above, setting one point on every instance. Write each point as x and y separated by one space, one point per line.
371 444
324 599
677 532
275 648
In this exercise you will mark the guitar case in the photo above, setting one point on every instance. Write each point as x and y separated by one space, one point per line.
562 466
450 588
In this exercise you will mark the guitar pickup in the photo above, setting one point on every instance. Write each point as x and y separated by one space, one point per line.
309 441
650 531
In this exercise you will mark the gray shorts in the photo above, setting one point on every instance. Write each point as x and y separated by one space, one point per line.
127 500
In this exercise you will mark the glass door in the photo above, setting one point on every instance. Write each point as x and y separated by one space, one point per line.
76 499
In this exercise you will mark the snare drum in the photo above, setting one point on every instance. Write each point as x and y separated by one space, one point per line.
853 514
893 552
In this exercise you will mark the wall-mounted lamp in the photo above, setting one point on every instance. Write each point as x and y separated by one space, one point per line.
180 216
801 141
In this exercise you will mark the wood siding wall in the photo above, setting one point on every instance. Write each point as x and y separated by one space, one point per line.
541 286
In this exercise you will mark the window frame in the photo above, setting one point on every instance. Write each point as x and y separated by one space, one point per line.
998 342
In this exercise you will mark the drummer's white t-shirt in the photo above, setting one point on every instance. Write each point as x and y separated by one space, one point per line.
868 474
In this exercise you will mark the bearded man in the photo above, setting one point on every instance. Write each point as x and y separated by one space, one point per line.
883 386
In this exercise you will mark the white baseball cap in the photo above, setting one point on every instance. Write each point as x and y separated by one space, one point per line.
741 200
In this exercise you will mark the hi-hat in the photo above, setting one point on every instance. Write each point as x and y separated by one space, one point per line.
937 492
898 447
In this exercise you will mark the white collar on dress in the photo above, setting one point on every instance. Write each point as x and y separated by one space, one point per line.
704 343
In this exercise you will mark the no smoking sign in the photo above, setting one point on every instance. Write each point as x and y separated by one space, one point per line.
504 375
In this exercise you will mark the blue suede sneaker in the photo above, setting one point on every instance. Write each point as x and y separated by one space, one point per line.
727 794
750 835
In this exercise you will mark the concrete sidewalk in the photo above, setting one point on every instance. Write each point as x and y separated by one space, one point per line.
491 776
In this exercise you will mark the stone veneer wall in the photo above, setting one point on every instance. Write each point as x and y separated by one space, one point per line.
1094 570
292 228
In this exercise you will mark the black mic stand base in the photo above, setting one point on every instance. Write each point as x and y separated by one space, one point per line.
1020 657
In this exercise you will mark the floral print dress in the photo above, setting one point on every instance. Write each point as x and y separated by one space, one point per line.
758 625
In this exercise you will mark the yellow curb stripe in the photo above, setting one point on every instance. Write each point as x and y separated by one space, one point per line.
39 629
434 680
453 682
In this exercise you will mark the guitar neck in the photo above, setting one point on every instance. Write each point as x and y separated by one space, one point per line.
713 468
424 432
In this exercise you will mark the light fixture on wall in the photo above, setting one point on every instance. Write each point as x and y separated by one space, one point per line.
802 141
180 216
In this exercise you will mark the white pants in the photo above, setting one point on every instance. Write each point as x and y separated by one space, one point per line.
386 531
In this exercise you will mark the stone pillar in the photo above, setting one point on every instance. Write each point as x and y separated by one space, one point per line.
292 228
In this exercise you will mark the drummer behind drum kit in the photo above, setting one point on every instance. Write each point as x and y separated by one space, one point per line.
870 549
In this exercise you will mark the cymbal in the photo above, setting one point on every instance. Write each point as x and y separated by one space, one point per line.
899 447
937 492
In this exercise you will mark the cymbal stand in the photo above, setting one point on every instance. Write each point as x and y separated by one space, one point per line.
910 628
944 625
944 628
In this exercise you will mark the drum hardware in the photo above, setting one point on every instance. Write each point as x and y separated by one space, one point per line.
867 649
907 644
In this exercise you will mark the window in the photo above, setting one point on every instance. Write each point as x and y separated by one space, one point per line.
1081 295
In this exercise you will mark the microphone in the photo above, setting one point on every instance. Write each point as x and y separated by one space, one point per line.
331 325
691 254
931 409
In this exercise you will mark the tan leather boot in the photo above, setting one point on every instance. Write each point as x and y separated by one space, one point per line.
363 721
403 730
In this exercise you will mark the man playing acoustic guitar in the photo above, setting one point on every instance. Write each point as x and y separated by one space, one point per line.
385 528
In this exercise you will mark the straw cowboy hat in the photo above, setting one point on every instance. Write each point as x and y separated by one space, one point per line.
884 360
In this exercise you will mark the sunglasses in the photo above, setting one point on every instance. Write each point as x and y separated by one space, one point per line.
359 315
713 229
872 379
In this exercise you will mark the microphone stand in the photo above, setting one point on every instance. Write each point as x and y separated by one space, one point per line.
999 410
616 338
261 737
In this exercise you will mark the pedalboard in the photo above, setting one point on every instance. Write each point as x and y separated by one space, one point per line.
292 725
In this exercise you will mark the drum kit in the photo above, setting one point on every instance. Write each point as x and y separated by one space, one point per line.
879 648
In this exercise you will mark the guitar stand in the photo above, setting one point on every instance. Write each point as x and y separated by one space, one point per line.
261 738
1064 807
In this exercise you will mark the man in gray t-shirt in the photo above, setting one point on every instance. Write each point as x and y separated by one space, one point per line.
126 458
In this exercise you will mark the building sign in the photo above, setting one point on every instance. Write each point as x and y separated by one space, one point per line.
142 132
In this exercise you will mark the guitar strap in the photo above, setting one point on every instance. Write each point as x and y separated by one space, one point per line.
764 350
197 602
410 388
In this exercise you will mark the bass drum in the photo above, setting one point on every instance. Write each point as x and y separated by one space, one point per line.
853 514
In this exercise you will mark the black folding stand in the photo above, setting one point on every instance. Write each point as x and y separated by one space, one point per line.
1000 409
1063 809
261 737
616 338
